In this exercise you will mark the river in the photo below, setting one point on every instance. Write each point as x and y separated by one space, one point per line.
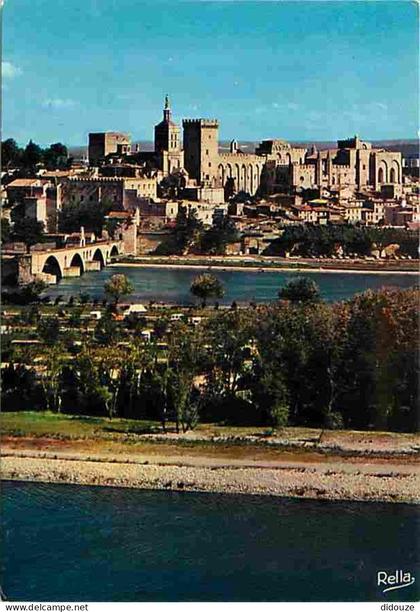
69 543
172 284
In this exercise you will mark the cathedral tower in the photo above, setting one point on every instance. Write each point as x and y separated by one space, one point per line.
167 142
167 132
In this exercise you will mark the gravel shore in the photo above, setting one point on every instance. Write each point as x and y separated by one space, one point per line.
334 480
261 268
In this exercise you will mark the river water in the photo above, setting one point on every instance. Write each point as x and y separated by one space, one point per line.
172 284
71 543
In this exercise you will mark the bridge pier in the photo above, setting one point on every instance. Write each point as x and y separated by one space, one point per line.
71 271
49 279
92 266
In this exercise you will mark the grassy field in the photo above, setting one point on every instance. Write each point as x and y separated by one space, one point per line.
128 431
48 424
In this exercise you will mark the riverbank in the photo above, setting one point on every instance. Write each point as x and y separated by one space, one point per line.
259 264
295 462
333 480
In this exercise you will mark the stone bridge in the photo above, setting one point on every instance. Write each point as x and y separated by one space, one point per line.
54 264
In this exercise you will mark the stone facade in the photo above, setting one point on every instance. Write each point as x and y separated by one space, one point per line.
353 164
102 144
118 190
278 166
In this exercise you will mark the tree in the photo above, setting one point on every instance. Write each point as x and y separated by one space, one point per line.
184 357
206 286
5 230
27 294
53 361
110 376
228 365
32 155
29 231
49 330
90 215
379 371
301 290
19 388
11 154
55 156
218 236
118 286
185 235
106 330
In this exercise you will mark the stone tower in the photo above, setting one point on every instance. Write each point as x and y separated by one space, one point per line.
201 149
167 136
168 142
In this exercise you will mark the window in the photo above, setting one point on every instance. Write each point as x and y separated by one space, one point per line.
209 164
207 151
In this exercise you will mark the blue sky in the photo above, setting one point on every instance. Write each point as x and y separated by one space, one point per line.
296 70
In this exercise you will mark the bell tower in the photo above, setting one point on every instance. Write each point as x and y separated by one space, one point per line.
167 132
167 142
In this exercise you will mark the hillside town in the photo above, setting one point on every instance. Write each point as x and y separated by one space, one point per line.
243 202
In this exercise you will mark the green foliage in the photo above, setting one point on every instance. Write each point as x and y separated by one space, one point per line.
206 286
10 153
307 240
279 414
5 230
218 236
118 286
90 215
32 155
184 236
106 330
29 231
51 379
301 290
19 388
53 157
351 365
48 330
27 294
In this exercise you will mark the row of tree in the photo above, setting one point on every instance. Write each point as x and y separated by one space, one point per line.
29 157
316 240
296 362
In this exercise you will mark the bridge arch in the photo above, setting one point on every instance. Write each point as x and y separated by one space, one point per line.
114 252
52 266
98 256
77 262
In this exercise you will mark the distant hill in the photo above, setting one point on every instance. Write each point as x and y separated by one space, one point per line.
407 147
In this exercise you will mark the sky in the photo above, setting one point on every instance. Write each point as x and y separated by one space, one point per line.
297 70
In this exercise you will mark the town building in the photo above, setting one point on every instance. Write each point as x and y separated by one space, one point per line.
121 192
102 144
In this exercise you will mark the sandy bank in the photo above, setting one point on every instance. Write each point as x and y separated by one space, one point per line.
333 480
